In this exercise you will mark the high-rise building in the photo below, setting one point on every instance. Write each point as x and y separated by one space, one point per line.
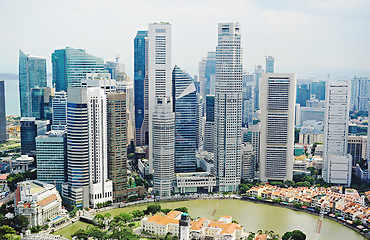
30 129
127 86
318 88
114 67
76 191
3 136
163 134
228 106
160 75
140 74
32 73
252 135
209 129
277 126
51 158
303 94
100 186
117 151
70 66
270 61
337 164
41 102
186 108
357 147
257 85
59 111
248 99
360 93
207 71
248 161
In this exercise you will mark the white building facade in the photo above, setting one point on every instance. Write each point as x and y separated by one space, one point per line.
337 165
100 186
160 74
163 127
228 106
277 126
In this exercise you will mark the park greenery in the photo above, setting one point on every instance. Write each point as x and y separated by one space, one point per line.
15 178
121 226
294 235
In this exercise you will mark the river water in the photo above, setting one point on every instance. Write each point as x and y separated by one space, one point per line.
253 216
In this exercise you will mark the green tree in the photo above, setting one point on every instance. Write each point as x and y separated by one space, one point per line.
20 223
124 217
166 210
99 220
289 183
5 229
81 234
182 209
153 208
295 235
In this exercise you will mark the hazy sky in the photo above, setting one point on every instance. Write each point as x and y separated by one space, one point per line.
303 35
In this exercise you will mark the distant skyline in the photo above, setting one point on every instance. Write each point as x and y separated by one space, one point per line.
314 36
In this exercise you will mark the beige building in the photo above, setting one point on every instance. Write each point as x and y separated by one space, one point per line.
201 228
38 201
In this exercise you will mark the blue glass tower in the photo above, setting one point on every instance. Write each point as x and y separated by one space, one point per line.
210 72
71 65
186 108
32 73
140 62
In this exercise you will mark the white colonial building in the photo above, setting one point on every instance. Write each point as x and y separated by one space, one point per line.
38 201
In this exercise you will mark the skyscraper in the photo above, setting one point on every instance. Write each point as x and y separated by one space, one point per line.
114 67
3 136
160 76
70 66
51 158
30 129
248 99
228 106
270 61
209 129
360 93
207 71
163 125
337 164
248 161
32 73
41 102
303 94
117 151
100 186
257 83
76 191
186 108
140 73
318 88
59 109
277 126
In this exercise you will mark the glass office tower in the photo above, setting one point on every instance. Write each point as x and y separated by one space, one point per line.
70 66
32 73
140 62
186 110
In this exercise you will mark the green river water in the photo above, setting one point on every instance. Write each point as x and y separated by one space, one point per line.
255 216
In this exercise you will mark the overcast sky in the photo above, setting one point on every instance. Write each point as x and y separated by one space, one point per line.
305 36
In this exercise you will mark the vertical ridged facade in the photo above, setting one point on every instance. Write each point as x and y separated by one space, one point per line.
228 106
117 151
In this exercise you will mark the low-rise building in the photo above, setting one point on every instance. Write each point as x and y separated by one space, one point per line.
38 201
200 228
194 182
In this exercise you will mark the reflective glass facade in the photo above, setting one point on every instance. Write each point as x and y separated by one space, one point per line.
186 110
140 43
32 73
71 65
